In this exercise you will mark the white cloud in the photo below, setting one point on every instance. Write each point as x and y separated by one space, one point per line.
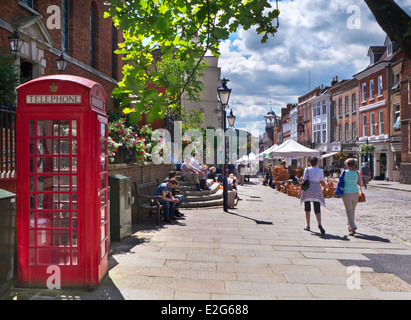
313 37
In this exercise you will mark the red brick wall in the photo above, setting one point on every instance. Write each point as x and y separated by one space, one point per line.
376 99
405 111
79 38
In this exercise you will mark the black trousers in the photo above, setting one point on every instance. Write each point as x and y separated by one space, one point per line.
317 206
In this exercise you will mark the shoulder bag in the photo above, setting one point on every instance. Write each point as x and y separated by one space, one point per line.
361 195
306 184
340 185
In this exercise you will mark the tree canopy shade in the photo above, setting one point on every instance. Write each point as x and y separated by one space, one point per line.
157 32
394 21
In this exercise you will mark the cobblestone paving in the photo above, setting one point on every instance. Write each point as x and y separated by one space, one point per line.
387 211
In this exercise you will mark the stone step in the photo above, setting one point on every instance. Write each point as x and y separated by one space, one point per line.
191 190
200 204
204 197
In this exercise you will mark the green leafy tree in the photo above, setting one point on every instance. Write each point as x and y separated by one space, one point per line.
9 79
161 31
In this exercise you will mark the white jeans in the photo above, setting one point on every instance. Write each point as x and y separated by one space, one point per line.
350 202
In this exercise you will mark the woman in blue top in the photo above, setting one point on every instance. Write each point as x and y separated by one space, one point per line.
352 179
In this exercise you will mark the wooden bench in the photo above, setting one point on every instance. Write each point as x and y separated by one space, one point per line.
146 201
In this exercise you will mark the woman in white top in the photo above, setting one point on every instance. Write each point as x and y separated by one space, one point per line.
314 193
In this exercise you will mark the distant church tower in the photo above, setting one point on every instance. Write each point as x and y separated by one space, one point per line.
270 119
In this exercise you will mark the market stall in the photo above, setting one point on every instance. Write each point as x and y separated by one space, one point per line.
289 149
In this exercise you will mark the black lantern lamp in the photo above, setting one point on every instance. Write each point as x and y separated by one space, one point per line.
231 118
15 42
224 93
61 63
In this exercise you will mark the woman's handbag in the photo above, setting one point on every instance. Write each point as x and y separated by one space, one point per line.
361 196
340 185
306 184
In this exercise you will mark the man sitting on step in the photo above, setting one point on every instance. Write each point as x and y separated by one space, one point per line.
189 173
172 175
167 200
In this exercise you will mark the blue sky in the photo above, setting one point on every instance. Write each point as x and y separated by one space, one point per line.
316 41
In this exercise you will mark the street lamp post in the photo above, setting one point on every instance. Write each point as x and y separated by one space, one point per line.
224 96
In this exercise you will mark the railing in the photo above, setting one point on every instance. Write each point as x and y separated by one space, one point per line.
7 141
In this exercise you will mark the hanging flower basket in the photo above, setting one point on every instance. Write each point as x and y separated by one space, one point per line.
367 148
340 155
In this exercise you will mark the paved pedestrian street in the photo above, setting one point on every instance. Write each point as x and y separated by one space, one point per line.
257 251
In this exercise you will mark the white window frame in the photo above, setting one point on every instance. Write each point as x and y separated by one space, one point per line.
364 125
372 89
395 81
354 102
347 100
380 89
354 130
364 92
372 124
347 132
397 114
381 122
389 48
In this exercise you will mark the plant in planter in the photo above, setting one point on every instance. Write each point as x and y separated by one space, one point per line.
128 144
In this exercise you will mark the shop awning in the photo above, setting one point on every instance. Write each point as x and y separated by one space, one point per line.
326 155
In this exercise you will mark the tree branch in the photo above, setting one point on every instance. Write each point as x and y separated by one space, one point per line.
394 21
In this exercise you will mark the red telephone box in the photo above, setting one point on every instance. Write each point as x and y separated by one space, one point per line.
62 182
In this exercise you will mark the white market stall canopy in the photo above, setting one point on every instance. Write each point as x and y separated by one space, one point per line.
292 149
265 154
246 158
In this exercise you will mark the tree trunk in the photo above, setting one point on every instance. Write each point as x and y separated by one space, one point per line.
394 21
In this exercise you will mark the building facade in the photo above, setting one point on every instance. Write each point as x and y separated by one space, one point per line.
208 104
305 134
75 28
375 107
48 29
344 117
405 122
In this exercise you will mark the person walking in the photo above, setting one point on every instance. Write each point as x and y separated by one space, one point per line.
314 193
352 179
366 174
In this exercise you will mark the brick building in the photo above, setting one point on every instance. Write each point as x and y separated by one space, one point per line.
305 136
75 28
344 117
405 120
49 29
375 90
